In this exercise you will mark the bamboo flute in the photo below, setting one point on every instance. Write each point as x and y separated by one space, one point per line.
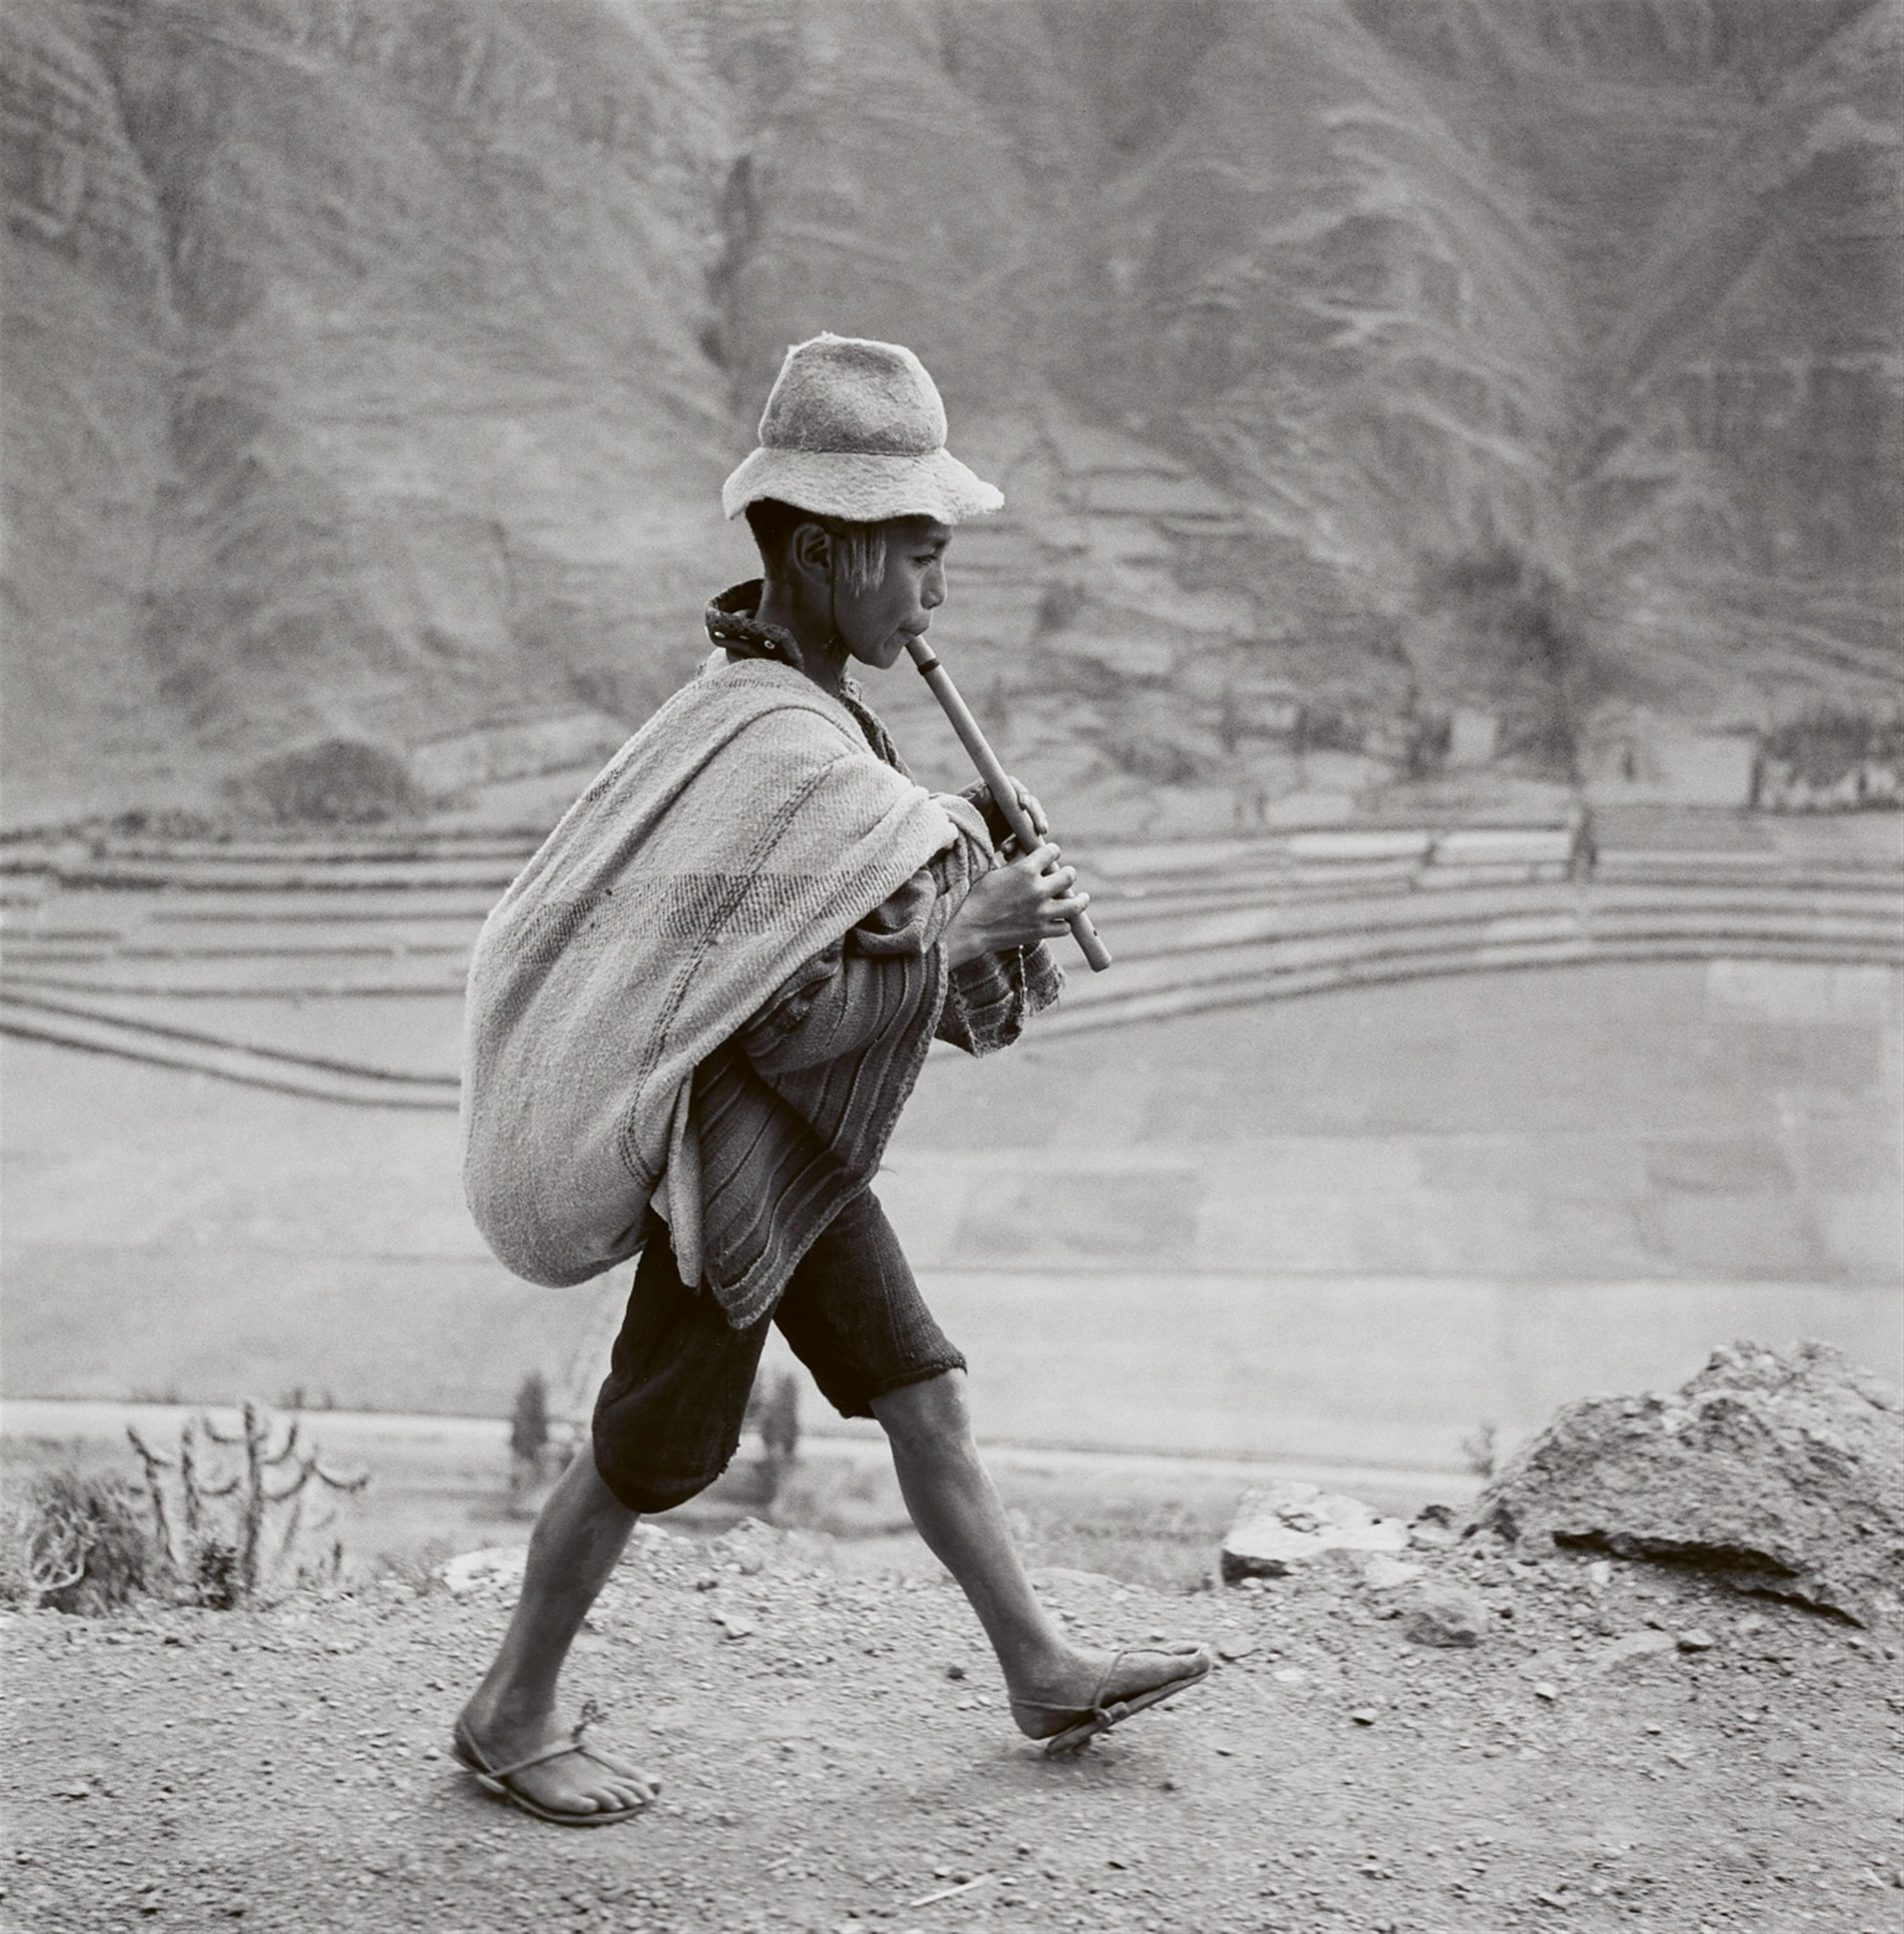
1004 795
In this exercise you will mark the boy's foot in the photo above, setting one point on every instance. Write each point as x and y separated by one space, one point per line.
545 1770
1096 1691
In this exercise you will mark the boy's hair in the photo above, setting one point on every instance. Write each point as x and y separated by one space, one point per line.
860 548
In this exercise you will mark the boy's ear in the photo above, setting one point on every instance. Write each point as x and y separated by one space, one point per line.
809 551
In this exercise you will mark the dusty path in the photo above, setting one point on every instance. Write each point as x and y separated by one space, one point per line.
285 1770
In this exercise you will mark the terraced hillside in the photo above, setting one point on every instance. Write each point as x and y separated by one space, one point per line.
335 968
371 366
1544 1119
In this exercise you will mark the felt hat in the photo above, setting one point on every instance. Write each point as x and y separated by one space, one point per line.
856 429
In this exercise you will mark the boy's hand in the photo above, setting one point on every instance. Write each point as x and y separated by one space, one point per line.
1030 900
1010 849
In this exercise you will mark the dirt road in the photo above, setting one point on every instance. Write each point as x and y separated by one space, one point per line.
1646 1752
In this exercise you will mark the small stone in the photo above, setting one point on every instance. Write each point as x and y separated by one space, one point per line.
954 1672
1546 1689
1632 1646
1600 1574
1443 1615
1364 1715
706 1582
733 1625
1231 1649
1383 1574
1697 1638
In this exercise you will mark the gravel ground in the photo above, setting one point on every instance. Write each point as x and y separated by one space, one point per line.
1627 1747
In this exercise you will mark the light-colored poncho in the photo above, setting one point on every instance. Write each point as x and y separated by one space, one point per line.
744 829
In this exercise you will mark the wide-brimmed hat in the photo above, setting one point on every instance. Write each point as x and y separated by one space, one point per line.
856 429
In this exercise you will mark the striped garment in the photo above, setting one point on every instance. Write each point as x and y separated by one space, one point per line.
714 987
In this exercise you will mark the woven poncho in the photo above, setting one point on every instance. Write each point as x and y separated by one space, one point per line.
746 828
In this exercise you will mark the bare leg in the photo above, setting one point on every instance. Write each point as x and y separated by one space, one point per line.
582 1533
953 1502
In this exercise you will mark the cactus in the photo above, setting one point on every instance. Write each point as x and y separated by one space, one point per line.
226 1563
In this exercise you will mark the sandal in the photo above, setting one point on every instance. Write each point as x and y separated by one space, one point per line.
500 1780
1081 1724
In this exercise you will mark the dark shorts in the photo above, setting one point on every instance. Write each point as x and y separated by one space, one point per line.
667 1420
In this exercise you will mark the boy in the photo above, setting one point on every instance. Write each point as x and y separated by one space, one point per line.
693 1020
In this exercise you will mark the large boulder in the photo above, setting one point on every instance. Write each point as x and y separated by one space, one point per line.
1779 1471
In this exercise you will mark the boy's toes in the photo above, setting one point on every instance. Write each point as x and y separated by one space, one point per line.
1137 1678
587 1782
562 1780
1147 1668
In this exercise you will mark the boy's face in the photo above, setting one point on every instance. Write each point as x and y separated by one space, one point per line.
875 624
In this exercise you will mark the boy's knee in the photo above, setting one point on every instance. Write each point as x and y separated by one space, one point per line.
932 1411
646 1493
641 1482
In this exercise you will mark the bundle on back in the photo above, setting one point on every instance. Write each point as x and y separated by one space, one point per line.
747 826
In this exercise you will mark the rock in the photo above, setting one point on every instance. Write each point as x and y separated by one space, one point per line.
1290 1524
501 1565
1546 1688
1634 1645
1364 1715
1777 1471
1445 1615
1231 1649
1433 1528
1383 1573
1697 1639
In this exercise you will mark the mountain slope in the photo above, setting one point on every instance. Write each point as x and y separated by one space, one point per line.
371 368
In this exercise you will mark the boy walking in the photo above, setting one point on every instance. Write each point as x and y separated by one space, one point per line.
693 1020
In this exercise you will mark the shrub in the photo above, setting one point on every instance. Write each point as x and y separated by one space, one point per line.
335 783
1525 640
78 1544
1827 745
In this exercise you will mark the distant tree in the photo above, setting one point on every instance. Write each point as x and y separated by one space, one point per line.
779 1420
529 1423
